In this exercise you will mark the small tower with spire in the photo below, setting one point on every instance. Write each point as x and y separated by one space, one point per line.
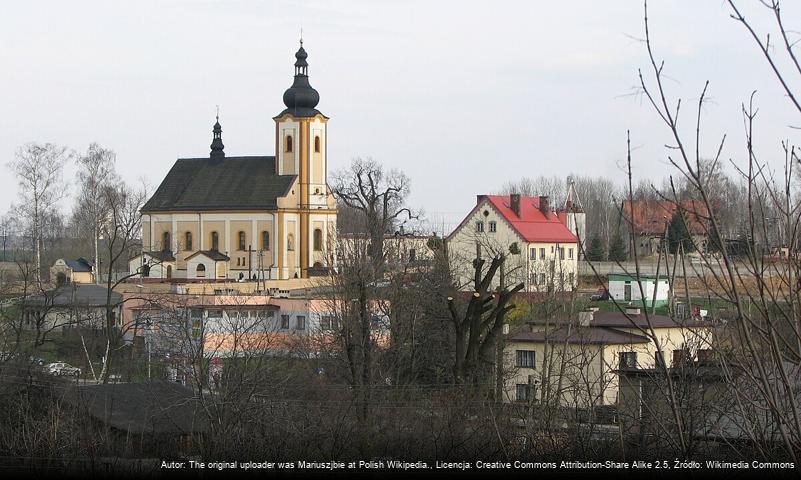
216 142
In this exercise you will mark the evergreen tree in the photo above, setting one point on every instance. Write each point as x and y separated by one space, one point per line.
617 249
678 233
595 252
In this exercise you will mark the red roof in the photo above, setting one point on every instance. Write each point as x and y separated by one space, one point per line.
531 224
650 216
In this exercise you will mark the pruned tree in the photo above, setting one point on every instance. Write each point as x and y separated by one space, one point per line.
479 323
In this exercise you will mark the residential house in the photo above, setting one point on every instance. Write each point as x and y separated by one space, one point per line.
650 219
72 271
541 251
574 361
70 305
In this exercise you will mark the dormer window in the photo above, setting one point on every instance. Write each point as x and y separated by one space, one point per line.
317 144
288 144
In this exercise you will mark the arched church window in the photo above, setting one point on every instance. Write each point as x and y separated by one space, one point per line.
165 241
242 241
215 241
188 241
318 240
290 242
265 240
200 270
317 144
288 142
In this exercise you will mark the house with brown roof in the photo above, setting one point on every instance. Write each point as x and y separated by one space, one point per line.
541 251
650 218
573 362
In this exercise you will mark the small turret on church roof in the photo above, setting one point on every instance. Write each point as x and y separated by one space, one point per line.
216 142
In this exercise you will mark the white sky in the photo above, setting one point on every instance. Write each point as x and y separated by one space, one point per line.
462 96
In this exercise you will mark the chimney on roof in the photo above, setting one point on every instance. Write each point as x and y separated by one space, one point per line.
545 205
514 203
585 318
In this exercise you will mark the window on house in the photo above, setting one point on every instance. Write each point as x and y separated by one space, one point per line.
532 279
561 253
285 322
493 227
542 253
200 271
521 392
627 359
329 322
288 144
188 241
215 241
570 253
242 241
317 144
680 357
265 240
196 326
300 322
570 278
318 240
480 226
412 255
290 242
532 254
525 358
237 261
165 241
542 279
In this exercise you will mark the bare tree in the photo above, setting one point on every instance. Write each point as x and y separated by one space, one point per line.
478 325
96 172
39 168
121 234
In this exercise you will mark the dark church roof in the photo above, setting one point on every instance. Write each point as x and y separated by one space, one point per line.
230 183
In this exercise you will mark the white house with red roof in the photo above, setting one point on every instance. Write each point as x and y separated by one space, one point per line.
540 250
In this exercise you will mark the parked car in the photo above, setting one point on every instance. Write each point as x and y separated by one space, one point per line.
62 368
601 294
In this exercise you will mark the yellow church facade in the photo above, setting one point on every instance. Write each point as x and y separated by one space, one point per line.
247 218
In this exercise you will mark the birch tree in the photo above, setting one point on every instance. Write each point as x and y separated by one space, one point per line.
96 171
39 170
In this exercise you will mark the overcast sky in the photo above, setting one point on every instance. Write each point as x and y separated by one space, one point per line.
462 96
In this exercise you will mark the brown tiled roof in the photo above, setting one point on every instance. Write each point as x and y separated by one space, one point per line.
620 320
649 216
580 335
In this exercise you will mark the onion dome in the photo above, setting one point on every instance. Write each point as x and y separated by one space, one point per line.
301 99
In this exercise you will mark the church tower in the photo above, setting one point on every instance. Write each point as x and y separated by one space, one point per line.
300 149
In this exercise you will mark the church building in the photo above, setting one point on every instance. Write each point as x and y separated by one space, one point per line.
248 217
